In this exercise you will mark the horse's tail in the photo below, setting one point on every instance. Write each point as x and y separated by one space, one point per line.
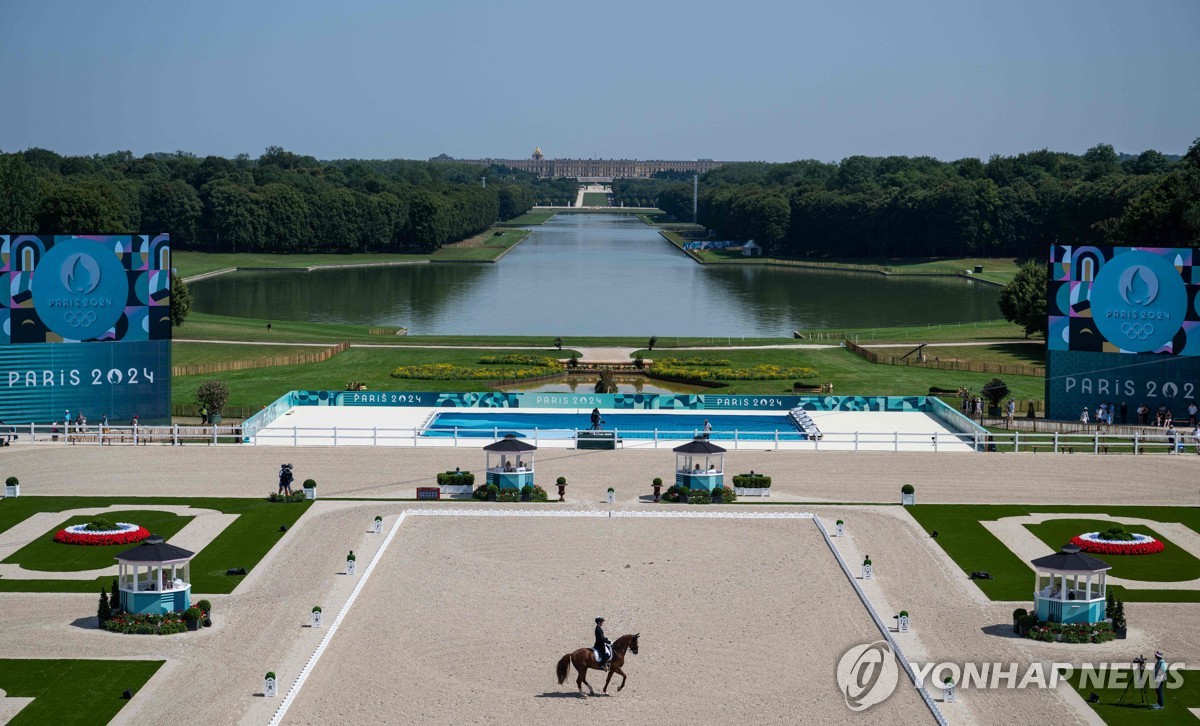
563 665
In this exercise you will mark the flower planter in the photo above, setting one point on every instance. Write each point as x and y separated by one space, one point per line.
716 496
12 490
193 625
1121 633
752 491
492 496
310 493
525 496
908 500
456 490
657 492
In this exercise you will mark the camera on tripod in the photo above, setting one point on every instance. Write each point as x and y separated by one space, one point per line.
1139 662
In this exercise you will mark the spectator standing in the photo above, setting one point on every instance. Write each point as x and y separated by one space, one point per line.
1011 410
1142 412
1192 414
1083 417
1160 678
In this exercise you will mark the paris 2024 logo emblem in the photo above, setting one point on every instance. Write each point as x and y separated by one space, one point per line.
79 289
1138 301
867 674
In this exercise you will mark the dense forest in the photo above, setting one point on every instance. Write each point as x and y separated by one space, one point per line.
280 202
921 207
861 207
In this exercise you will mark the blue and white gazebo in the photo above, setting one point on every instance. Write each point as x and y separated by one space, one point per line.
155 577
512 467
699 464
1069 587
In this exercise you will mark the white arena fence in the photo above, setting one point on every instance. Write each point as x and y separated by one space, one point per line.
294 691
1016 441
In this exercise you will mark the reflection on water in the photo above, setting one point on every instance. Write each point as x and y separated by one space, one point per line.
583 274
586 384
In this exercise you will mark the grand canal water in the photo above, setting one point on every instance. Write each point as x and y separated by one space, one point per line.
592 274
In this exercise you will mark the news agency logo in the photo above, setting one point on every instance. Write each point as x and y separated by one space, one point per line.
867 674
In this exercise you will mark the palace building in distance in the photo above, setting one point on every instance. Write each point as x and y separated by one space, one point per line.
591 168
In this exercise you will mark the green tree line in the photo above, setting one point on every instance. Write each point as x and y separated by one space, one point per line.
279 202
921 207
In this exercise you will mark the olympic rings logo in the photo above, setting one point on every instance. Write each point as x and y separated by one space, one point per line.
1138 331
77 319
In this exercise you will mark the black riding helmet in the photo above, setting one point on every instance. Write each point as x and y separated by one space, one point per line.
599 620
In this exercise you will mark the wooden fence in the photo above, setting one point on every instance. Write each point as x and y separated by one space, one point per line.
319 356
387 331
228 413
947 365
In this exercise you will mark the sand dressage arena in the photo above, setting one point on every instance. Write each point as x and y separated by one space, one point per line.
465 618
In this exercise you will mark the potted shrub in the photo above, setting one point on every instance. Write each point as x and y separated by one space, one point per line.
840 527
205 608
1026 623
995 391
12 487
192 617
716 494
562 487
1017 615
351 563
908 495
104 612
213 395
657 484
1120 627
310 489
527 493
612 495
493 492
681 493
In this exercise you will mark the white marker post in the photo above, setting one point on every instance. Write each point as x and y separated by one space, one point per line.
350 563
902 621
378 525
316 616
269 689
840 529
867 569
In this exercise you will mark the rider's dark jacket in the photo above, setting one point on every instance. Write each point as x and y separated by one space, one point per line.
600 640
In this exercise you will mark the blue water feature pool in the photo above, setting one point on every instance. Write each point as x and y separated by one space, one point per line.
486 424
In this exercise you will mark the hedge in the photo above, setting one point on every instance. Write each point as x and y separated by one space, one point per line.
455 479
751 481
762 372
451 372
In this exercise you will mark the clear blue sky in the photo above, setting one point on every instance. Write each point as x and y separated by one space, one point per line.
746 80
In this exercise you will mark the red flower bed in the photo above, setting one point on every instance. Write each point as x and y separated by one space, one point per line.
1104 548
116 538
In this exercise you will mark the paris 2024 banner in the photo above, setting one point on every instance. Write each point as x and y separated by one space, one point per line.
1124 328
85 327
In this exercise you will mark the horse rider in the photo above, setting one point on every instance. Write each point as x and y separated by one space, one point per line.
601 645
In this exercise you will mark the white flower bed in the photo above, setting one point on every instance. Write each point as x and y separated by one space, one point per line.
82 530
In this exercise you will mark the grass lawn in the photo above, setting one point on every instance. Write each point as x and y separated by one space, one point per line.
852 376
1005 354
1173 564
373 366
201 326
528 219
184 354
242 544
595 199
47 555
196 263
82 692
972 546
984 331
484 247
1176 702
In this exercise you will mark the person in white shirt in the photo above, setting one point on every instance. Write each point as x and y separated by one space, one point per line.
1160 678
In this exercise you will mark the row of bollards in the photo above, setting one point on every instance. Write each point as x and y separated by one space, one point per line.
270 683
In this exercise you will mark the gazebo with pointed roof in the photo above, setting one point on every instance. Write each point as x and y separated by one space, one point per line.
513 466
155 577
1069 587
699 464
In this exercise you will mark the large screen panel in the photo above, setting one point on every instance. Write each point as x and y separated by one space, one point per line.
85 325
1123 328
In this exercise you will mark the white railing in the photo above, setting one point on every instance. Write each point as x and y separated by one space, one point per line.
895 441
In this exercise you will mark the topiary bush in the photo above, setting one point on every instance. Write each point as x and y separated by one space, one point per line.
752 481
673 493
1116 533
12 481
101 525
310 484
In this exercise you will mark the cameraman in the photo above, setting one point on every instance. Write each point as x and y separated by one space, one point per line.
285 479
1160 678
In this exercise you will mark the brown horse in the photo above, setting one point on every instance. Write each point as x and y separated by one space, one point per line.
583 659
